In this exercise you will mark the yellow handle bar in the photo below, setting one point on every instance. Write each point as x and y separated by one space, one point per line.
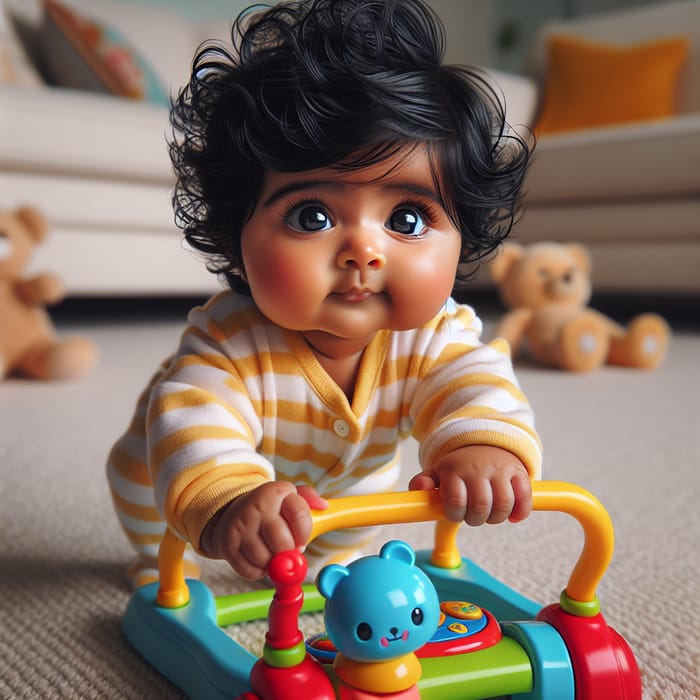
421 506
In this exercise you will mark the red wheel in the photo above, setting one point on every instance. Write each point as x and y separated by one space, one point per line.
603 663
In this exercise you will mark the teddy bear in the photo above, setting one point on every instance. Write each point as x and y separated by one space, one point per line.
546 287
379 611
28 342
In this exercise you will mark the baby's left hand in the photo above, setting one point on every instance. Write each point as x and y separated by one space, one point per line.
479 484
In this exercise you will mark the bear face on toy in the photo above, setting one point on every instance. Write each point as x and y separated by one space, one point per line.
379 610
546 287
28 343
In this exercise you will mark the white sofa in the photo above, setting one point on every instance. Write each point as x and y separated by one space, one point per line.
630 192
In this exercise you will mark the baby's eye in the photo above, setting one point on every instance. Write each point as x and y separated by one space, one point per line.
407 221
309 218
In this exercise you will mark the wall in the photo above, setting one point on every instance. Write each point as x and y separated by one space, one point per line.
492 33
469 29
199 10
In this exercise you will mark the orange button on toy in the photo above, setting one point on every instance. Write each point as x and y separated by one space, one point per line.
461 610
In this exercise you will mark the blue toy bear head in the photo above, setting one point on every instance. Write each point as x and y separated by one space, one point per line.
379 607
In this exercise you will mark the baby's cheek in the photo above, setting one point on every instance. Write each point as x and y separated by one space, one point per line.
283 288
423 291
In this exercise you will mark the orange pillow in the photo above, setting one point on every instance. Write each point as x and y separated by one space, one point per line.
591 84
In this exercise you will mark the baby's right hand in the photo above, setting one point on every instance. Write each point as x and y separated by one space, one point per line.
271 518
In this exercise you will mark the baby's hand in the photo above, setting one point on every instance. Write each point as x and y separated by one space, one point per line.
271 518
479 484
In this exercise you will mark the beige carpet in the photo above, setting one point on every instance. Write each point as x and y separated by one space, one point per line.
632 438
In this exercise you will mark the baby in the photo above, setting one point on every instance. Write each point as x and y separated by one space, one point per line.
340 178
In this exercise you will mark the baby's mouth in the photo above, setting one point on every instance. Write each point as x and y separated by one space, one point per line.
355 295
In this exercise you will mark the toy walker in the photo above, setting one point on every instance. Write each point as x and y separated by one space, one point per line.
430 625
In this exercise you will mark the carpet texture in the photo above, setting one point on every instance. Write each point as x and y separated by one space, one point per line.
632 438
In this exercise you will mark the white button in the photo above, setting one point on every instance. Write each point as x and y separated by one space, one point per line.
341 428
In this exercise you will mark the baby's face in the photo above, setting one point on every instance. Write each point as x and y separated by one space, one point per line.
340 255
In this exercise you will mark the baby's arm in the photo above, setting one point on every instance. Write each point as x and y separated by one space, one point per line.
271 518
479 484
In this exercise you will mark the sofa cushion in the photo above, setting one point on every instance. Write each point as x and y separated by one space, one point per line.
592 84
74 132
630 161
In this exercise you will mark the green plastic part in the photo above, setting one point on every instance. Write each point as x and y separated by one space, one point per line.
284 658
578 607
502 669
253 605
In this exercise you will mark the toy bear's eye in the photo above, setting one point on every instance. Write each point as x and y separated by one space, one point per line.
417 616
364 631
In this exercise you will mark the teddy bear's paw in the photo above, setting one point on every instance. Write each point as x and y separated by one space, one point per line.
644 345
68 359
583 344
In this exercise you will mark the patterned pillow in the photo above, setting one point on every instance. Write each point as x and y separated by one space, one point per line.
80 52
15 65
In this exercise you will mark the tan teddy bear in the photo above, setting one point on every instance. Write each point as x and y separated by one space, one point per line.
28 343
546 286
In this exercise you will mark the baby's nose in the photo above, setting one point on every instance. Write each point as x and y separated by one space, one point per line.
365 258
361 251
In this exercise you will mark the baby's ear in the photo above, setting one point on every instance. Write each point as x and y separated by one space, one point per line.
329 577
397 549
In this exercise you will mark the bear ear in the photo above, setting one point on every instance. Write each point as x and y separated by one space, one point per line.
34 220
580 254
397 549
329 577
508 253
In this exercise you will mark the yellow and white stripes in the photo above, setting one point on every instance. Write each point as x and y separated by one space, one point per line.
244 401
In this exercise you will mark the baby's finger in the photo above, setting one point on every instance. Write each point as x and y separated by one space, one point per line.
276 535
522 493
296 513
252 560
479 502
454 496
425 481
503 501
312 497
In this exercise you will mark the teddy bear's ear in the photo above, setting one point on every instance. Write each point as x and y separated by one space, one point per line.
397 549
329 577
580 254
507 254
34 220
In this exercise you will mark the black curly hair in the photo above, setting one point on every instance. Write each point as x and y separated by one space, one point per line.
337 83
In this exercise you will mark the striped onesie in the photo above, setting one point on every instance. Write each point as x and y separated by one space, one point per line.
244 401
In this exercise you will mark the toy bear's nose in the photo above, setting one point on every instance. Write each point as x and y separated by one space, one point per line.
394 631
